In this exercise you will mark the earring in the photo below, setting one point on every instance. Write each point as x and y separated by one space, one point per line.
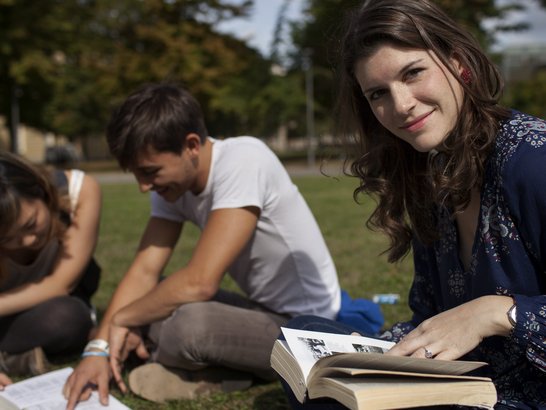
466 76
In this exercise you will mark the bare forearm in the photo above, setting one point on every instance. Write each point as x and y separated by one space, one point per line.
61 281
28 296
225 235
498 306
166 297
131 288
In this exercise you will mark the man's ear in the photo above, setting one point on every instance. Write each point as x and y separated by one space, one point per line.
193 144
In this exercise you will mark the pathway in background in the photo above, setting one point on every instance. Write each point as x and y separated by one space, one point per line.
333 168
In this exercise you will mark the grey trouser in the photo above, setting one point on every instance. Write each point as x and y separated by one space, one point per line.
228 331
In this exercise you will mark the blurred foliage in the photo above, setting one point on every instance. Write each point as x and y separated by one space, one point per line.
71 61
527 95
471 14
321 30
68 62
30 34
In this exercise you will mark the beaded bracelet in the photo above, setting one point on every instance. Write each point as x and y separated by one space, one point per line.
100 354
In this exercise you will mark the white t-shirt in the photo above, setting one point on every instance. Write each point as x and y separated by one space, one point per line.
286 266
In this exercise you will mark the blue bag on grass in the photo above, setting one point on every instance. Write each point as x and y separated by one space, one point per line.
362 314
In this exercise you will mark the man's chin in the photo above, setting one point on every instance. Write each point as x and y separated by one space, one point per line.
170 196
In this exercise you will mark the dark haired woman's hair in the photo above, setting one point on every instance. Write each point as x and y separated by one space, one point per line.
22 180
159 116
409 185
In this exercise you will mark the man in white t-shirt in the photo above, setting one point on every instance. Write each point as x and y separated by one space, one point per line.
255 226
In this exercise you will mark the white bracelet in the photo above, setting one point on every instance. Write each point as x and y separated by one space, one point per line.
97 344
96 354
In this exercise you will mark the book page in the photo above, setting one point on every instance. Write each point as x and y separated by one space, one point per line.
308 347
356 372
405 364
44 392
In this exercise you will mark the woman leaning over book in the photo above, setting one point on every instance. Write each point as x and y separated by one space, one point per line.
460 181
48 232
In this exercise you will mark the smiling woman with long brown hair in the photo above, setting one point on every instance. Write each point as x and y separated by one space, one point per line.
459 181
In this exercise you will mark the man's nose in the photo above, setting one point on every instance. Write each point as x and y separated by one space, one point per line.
28 240
144 185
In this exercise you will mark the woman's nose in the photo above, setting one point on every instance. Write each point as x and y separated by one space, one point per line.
403 100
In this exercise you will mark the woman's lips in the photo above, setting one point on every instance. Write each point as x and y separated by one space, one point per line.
417 124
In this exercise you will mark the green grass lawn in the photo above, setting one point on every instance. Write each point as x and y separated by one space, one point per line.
356 251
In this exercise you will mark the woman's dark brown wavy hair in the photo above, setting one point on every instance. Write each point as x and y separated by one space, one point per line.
408 185
22 180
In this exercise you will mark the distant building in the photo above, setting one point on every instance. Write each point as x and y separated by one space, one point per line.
523 61
31 143
39 146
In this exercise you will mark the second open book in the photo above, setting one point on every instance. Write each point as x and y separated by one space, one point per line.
354 371
44 392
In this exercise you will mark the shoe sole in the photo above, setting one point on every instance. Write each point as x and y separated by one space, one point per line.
155 383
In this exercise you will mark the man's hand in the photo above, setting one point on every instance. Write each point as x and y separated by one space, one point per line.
123 340
134 342
92 373
118 337
455 332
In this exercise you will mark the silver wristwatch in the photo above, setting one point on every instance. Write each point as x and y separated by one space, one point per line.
512 315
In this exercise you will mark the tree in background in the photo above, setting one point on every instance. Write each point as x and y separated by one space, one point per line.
129 43
65 63
71 60
31 34
318 34
282 102
322 26
528 95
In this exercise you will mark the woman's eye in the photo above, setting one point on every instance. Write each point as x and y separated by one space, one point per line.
414 72
376 95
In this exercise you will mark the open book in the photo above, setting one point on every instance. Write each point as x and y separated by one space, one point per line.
44 392
354 371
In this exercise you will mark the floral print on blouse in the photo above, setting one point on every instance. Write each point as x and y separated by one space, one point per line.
508 258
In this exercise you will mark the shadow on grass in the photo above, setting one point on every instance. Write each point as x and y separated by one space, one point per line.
271 399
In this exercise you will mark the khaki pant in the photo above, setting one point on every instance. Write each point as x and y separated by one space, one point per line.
229 331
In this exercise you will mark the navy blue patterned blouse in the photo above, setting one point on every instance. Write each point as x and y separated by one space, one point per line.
508 258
